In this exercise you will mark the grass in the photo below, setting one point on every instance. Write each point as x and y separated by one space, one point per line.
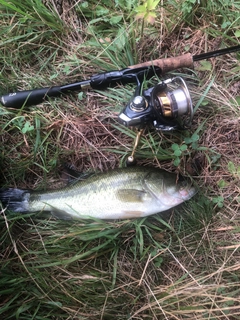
180 265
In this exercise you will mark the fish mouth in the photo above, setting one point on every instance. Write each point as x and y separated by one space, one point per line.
180 197
186 194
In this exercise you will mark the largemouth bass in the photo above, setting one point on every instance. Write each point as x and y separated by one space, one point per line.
118 194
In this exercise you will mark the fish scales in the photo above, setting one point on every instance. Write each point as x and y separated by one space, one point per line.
117 194
92 196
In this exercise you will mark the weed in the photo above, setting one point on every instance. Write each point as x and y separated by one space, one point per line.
178 152
219 201
23 125
188 6
147 11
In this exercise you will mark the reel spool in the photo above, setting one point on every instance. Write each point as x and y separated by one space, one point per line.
172 103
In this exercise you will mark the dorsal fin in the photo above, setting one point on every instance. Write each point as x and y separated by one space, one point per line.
71 175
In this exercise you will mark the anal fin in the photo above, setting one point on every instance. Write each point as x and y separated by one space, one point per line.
60 214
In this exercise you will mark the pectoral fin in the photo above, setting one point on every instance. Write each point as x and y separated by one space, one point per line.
131 195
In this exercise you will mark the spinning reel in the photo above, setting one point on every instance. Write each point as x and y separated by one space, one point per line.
167 106
164 106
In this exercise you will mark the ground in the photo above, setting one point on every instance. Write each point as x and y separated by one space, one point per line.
184 265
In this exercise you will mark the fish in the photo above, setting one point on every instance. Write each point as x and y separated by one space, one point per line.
121 193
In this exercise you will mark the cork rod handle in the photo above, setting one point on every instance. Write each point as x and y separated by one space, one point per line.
168 64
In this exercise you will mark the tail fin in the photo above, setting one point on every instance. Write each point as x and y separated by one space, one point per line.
15 199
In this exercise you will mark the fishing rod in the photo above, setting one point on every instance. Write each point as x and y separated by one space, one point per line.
167 106
131 74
